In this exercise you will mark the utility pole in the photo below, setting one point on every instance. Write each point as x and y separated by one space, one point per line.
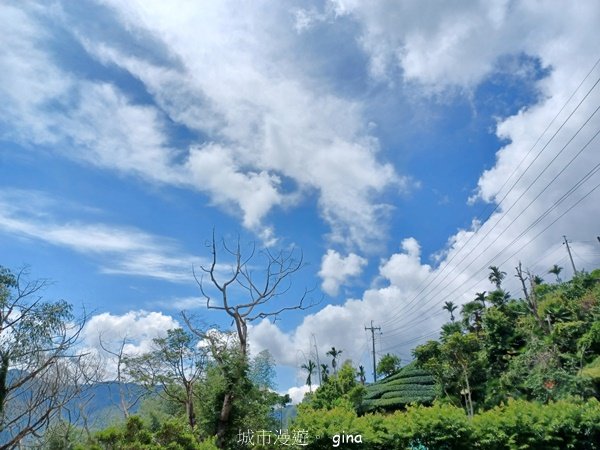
570 256
318 362
372 328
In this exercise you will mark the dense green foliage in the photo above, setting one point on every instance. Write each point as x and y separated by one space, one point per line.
135 435
409 385
388 364
519 424
543 347
338 388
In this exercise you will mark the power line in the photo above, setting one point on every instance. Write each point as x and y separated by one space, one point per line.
410 305
585 178
439 272
590 173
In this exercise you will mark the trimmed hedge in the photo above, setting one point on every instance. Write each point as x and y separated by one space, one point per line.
408 385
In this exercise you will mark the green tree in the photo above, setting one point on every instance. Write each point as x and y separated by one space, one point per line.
450 307
228 372
310 369
340 387
362 375
324 372
461 349
472 313
496 276
454 363
41 369
388 364
537 280
480 297
334 353
556 270
174 366
499 298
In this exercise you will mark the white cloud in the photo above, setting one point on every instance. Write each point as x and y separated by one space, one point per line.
23 91
213 168
297 393
265 335
303 136
343 326
264 120
336 269
136 328
458 42
120 250
275 125
405 270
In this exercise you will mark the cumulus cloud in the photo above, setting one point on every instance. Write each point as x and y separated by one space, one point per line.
297 393
458 43
405 269
343 326
213 167
336 269
135 330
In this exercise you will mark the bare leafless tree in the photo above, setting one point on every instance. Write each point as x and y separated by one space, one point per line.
128 397
247 291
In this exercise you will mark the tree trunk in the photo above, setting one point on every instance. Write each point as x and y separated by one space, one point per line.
189 406
223 425
534 305
4 362
227 408
469 399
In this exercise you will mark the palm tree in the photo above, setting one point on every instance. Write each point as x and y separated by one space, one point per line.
558 313
537 280
324 372
334 354
471 313
450 307
496 276
480 297
556 271
498 298
310 368
362 374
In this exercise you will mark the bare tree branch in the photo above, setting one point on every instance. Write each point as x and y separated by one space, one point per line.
272 282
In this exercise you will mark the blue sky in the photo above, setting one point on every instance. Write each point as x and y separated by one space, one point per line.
394 143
